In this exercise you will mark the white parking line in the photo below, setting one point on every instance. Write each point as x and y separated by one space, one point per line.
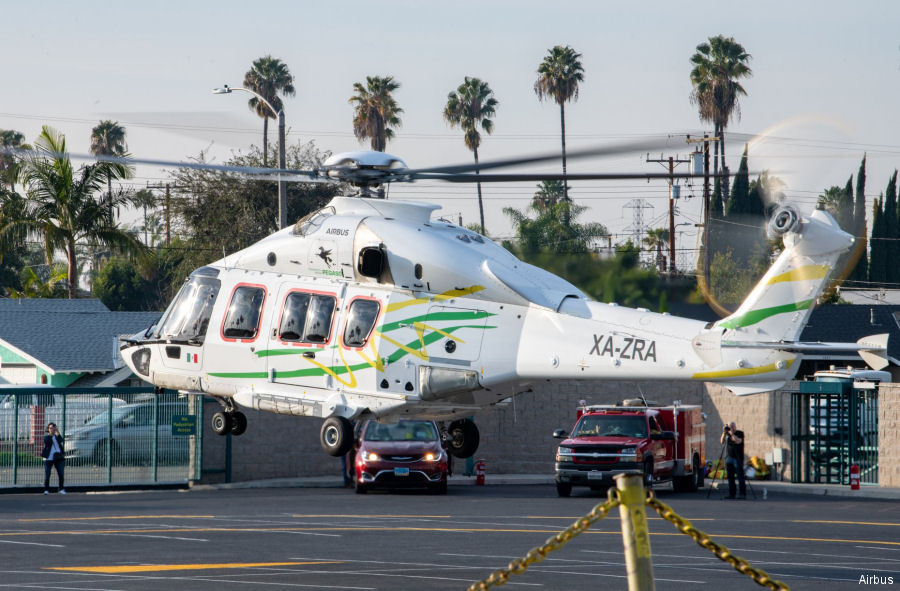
32 544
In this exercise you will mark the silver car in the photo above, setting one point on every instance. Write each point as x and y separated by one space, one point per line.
131 435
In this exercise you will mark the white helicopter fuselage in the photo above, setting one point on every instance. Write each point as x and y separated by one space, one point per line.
370 308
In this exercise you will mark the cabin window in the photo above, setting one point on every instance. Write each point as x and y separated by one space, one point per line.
360 322
307 317
188 316
242 318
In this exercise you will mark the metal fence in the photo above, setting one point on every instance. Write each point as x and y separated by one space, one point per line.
113 436
834 425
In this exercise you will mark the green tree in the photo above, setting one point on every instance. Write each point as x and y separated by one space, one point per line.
9 139
718 67
878 261
470 106
861 270
742 202
61 208
559 77
33 286
553 230
108 139
891 232
222 213
549 193
657 239
376 112
267 77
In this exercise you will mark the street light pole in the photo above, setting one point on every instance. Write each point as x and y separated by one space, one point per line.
282 184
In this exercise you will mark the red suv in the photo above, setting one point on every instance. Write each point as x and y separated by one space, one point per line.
406 454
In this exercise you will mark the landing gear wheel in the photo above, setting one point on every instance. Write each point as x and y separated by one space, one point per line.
462 438
222 423
238 423
336 436
648 474
564 489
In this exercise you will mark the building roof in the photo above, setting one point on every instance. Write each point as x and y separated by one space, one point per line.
68 335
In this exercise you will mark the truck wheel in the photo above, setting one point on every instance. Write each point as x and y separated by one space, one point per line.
699 478
462 438
648 474
564 489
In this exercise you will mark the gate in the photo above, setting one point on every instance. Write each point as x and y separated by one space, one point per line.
113 436
834 424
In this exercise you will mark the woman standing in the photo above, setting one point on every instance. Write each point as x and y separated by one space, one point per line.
54 457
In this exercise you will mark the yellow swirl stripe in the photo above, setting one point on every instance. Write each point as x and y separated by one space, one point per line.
802 274
447 295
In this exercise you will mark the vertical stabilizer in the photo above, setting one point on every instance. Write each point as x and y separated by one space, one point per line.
780 305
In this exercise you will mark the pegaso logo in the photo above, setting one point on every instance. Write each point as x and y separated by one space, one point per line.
623 347
338 231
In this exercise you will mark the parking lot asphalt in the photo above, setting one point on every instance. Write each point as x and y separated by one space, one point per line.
759 487
327 537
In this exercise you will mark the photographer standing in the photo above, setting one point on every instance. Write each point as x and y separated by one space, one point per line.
734 461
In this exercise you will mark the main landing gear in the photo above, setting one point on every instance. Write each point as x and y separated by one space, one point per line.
336 436
229 421
462 438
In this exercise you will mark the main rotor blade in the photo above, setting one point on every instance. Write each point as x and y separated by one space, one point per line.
610 150
526 177
253 171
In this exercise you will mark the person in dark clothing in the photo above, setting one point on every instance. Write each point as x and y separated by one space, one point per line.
733 439
54 457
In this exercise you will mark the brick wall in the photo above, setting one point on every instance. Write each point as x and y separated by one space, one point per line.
888 427
516 437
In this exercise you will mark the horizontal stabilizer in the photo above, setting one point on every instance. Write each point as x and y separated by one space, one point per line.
747 388
872 349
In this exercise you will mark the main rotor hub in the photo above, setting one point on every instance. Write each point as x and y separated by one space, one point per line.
365 168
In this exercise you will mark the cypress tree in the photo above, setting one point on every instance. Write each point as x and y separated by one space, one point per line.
739 202
877 252
861 271
891 233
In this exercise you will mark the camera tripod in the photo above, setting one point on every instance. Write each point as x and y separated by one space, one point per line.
740 467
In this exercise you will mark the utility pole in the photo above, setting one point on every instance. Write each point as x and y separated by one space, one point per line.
167 187
706 199
672 161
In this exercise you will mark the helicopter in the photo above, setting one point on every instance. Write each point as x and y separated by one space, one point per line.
375 309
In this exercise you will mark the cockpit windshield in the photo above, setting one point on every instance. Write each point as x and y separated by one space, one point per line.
188 316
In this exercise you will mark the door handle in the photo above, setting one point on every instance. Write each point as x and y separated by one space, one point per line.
309 355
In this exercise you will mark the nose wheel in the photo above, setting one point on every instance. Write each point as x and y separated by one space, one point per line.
234 422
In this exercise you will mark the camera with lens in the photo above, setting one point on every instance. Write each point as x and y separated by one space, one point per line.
726 429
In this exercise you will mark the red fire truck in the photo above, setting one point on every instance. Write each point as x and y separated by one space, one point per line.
663 442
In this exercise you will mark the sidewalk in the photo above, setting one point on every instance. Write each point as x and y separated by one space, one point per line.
758 486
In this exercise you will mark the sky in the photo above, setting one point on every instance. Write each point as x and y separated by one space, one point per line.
824 90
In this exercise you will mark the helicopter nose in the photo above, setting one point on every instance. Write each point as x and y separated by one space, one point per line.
139 360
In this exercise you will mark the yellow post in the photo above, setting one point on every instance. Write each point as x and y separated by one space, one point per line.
635 535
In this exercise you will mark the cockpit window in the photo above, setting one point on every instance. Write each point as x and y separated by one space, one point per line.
360 321
242 318
188 316
307 317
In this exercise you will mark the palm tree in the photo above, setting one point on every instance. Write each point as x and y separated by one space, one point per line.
558 78
267 77
108 139
549 193
376 110
468 107
718 68
657 239
61 207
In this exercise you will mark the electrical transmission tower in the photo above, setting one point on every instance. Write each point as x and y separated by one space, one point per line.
637 207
